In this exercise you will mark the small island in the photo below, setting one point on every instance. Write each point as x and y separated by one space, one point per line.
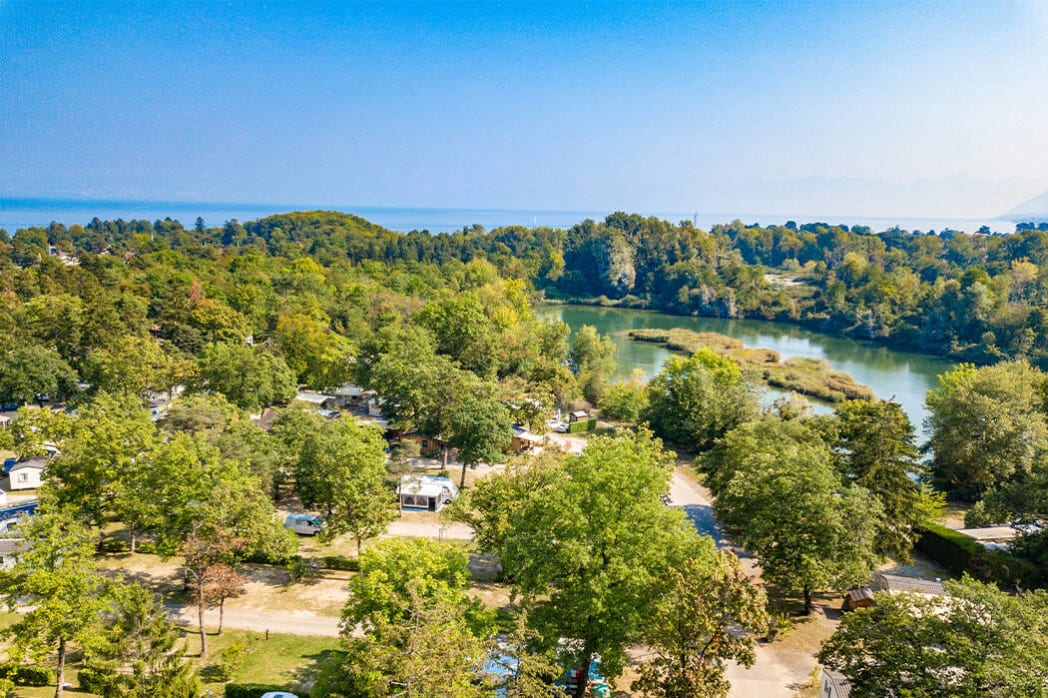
811 377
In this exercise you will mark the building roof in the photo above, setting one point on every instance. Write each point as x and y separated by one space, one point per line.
894 583
349 390
30 464
427 485
525 435
11 545
312 398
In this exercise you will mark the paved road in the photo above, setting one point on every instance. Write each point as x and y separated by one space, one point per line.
776 673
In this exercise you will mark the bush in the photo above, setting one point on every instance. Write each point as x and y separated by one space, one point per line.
254 690
951 549
961 554
6 687
232 660
95 680
33 676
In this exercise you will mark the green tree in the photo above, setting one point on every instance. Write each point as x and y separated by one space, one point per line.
480 426
250 377
421 633
99 470
625 400
987 424
875 443
980 641
341 471
591 358
26 372
706 617
139 648
808 529
135 365
56 578
588 547
694 401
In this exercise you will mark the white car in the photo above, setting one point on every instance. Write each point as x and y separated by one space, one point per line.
278 694
558 426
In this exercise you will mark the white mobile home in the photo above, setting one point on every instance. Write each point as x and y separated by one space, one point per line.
426 492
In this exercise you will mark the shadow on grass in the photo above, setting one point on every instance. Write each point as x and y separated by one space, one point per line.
305 675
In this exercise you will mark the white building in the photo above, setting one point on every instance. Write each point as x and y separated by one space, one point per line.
426 492
28 474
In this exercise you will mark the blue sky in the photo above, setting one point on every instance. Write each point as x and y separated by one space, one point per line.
922 108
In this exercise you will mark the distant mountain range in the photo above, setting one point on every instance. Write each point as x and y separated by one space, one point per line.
1033 210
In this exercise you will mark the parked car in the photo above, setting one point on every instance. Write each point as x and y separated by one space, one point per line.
278 694
558 426
304 524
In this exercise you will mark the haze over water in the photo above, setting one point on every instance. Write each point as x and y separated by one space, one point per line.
23 213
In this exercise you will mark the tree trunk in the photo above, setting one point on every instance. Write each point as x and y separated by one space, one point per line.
221 613
583 680
807 601
200 616
60 671
462 480
444 455
134 538
358 547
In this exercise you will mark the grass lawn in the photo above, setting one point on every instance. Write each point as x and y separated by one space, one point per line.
284 660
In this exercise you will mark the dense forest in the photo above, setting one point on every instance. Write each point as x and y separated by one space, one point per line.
973 297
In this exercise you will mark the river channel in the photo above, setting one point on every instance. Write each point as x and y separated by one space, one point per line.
890 373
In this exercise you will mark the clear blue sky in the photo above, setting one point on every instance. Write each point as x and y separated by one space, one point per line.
716 106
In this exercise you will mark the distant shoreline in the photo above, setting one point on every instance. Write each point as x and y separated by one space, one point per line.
21 212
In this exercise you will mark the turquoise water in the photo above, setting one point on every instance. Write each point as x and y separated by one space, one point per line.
904 376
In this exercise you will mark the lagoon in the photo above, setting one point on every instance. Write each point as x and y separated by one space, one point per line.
904 376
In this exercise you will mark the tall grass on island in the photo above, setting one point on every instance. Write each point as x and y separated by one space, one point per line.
811 377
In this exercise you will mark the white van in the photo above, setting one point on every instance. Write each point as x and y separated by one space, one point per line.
304 524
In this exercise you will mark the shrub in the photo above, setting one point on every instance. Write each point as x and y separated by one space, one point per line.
6 687
232 660
33 676
94 680
961 554
254 690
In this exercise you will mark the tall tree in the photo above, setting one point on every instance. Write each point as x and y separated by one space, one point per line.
341 471
480 426
421 633
875 444
706 617
56 578
987 424
29 371
808 529
694 401
249 377
589 546
139 648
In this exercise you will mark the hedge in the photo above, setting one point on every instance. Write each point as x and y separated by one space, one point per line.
582 425
26 675
961 554
338 562
254 690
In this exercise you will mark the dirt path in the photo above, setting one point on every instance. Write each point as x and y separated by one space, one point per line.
290 622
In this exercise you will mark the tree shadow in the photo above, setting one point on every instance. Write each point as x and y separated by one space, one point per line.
306 674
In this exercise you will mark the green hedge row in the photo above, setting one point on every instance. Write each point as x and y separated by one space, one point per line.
254 690
961 554
95 680
582 425
26 675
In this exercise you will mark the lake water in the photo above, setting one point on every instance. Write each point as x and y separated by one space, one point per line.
904 376
18 213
